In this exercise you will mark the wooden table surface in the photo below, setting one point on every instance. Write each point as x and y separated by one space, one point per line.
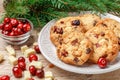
5 67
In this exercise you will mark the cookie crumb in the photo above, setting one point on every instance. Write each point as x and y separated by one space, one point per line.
51 65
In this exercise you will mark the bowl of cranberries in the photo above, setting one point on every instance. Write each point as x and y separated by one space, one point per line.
16 31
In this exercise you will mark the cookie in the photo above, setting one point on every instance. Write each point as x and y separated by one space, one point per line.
112 25
76 50
105 43
64 25
89 20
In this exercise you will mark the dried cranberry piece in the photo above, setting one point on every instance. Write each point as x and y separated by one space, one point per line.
62 22
88 50
76 22
76 59
64 53
104 25
95 22
102 34
60 40
97 45
96 35
58 30
74 42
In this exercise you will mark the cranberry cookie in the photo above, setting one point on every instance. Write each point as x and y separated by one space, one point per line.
76 49
105 43
62 26
89 20
112 25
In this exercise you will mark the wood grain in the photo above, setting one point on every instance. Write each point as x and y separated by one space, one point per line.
6 68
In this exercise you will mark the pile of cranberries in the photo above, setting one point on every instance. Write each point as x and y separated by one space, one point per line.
14 27
21 66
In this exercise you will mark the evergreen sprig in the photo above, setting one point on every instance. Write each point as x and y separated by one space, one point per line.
42 11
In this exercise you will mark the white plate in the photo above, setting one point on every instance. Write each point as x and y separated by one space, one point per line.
49 52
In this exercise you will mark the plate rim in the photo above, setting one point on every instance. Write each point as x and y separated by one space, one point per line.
64 68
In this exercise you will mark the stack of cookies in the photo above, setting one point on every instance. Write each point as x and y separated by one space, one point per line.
86 38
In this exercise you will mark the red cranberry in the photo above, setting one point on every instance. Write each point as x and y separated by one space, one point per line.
32 70
17 72
20 26
26 27
40 73
6 20
8 27
15 31
102 62
11 33
14 22
36 48
22 65
5 77
33 57
1 26
21 59
19 31
5 32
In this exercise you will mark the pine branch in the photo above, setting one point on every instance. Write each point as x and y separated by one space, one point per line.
42 11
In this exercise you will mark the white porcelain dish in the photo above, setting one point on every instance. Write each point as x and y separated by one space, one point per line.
49 52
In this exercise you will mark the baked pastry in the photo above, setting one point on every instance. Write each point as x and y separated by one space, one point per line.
105 43
61 27
89 20
75 49
112 25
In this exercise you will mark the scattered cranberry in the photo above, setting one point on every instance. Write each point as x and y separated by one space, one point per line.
33 57
6 20
22 65
1 26
21 59
30 79
36 48
17 72
8 27
102 62
14 22
5 77
40 73
32 70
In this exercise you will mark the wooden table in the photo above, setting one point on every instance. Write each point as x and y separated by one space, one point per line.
5 67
